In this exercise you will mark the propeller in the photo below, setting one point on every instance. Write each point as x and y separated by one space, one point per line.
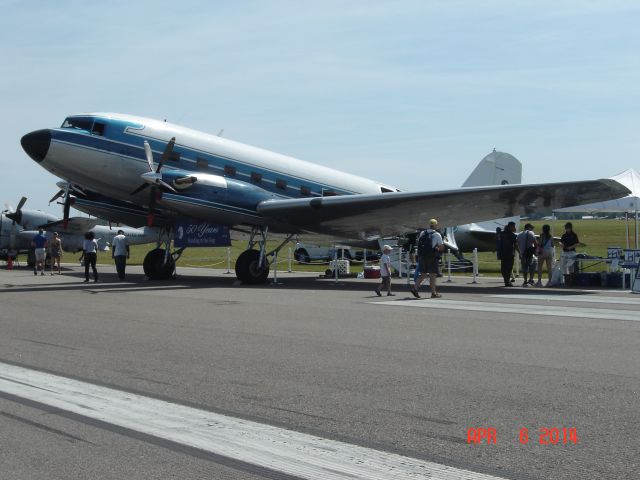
16 217
66 204
154 178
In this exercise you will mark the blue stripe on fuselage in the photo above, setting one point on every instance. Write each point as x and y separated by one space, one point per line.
116 141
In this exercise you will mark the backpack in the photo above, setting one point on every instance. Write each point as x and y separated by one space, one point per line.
425 244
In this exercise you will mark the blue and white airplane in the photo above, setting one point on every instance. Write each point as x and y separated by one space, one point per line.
104 157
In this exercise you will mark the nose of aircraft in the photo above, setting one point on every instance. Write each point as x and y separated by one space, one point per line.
36 144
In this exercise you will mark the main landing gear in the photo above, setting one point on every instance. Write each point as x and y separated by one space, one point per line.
160 263
252 266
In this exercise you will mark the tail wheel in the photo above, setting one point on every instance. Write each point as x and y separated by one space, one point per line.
249 271
154 266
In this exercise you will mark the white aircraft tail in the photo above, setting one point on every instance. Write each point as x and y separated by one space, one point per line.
497 168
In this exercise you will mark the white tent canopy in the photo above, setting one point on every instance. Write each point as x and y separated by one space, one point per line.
629 204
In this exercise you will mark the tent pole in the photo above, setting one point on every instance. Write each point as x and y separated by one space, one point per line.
636 229
626 221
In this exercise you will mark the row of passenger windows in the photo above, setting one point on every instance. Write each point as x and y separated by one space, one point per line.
231 171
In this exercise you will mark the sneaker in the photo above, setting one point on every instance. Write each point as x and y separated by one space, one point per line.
86 281
532 283
539 284
35 272
378 292
391 294
508 284
415 292
436 295
525 284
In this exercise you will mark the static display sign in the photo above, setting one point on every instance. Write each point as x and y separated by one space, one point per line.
194 233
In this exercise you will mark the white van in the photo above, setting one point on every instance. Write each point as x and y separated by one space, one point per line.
305 252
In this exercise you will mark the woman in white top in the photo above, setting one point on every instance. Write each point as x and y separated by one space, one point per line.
545 253
90 254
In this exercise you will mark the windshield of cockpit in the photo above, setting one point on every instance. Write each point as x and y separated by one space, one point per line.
79 123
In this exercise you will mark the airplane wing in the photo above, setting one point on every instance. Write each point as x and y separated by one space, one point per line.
367 217
77 225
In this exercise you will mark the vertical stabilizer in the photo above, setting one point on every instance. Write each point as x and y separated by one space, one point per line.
497 168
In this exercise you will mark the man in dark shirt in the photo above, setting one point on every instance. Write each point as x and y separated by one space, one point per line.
508 246
569 242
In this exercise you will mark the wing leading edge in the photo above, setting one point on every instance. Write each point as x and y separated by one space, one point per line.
366 217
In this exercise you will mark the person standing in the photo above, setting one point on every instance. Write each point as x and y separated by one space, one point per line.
385 272
430 245
545 253
527 247
90 254
569 242
40 244
56 252
508 245
120 253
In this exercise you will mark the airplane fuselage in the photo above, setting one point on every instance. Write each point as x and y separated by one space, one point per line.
104 153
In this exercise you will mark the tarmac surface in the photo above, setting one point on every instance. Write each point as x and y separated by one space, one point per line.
391 378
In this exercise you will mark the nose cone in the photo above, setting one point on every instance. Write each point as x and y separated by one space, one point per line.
36 144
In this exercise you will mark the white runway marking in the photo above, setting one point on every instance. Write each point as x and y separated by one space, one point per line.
518 308
573 298
286 451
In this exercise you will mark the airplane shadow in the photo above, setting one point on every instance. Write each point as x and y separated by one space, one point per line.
108 281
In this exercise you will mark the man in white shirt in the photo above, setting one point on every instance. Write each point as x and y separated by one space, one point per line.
120 253
527 246
429 252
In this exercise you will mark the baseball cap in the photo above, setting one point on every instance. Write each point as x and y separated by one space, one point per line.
386 247
433 221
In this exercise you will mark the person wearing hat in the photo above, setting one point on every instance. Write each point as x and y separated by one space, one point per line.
527 245
385 272
508 245
430 245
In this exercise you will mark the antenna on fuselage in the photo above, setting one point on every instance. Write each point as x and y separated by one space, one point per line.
220 133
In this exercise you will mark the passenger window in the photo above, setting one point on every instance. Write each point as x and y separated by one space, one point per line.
98 128
281 184
201 164
306 191
229 170
256 177
328 193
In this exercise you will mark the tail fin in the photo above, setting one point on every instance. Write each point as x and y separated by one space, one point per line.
497 168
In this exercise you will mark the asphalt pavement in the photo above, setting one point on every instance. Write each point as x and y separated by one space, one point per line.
391 379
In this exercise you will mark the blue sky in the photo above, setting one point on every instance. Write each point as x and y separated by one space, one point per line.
412 93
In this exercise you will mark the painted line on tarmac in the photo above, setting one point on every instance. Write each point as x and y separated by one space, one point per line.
286 451
573 298
518 308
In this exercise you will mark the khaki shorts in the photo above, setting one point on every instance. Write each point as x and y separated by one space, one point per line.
41 254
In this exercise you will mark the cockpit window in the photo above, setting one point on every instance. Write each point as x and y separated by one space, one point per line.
98 128
79 123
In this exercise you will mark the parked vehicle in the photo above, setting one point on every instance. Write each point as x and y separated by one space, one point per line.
305 252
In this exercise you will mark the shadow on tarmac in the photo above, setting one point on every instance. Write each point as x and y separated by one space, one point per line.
108 281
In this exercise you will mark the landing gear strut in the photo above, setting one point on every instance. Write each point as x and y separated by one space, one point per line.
252 266
160 264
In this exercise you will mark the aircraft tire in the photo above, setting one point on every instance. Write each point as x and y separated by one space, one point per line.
302 256
247 269
154 266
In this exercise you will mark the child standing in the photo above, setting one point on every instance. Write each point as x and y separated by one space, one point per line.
385 272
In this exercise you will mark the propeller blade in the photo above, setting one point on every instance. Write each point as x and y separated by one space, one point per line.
57 196
167 153
149 154
140 188
23 200
164 184
66 209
